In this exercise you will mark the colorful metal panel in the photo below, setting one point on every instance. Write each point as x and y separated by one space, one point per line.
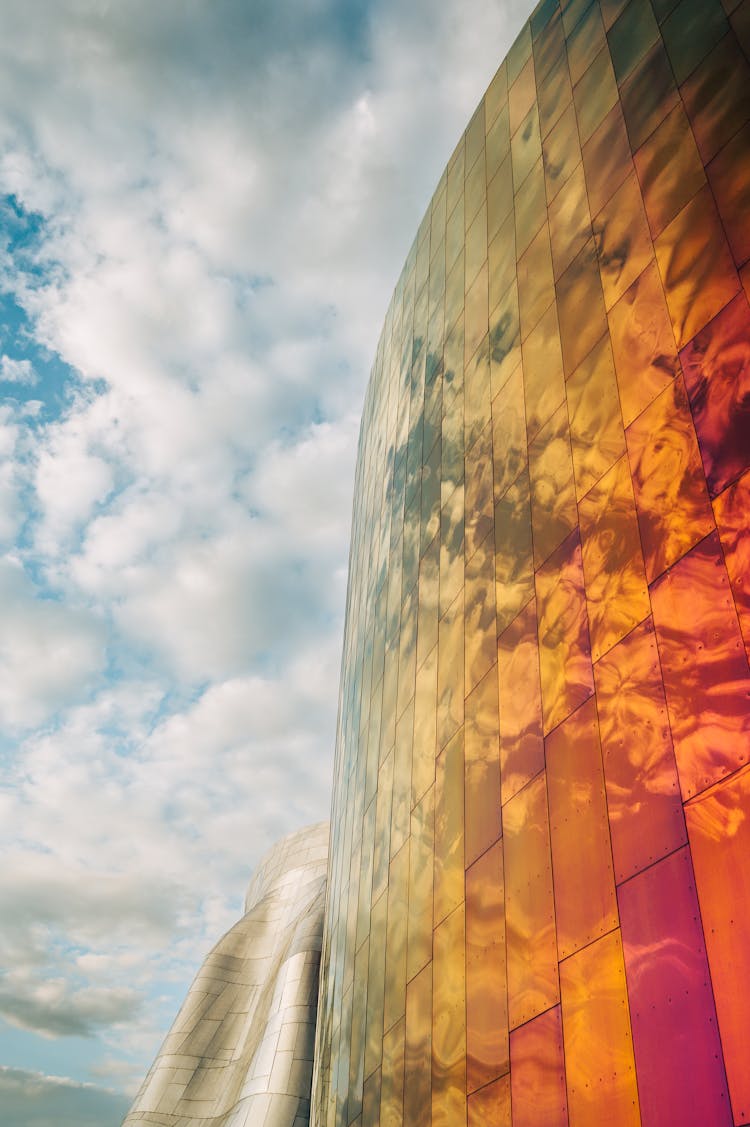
540 868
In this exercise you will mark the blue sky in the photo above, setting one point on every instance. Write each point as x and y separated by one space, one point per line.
203 209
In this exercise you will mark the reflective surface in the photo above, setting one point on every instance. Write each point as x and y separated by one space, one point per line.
240 1052
544 735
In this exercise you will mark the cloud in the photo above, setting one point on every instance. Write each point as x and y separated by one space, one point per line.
31 1099
49 651
212 206
17 371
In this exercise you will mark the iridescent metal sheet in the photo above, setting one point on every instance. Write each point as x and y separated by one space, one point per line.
545 697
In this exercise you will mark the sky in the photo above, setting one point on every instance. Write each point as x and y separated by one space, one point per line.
204 207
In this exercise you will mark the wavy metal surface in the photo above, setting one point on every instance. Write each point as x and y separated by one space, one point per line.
539 901
240 1051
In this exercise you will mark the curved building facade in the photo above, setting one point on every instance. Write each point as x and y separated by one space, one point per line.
241 1048
539 888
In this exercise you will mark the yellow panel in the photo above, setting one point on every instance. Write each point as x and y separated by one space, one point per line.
521 740
418 1051
395 954
450 683
543 376
514 567
509 445
451 547
392 1084
425 732
449 829
479 608
449 1023
536 283
486 988
482 767
421 852
599 1060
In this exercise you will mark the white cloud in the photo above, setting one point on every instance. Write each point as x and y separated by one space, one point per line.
50 652
225 198
17 371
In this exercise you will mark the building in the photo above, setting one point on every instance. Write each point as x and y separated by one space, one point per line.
539 888
241 1048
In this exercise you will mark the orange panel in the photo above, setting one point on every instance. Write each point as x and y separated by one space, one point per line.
486 988
514 568
670 488
418 1050
696 266
719 830
449 829
521 740
537 1072
596 434
598 1042
553 500
449 1023
491 1105
643 793
616 591
704 667
529 904
642 343
606 159
732 511
623 241
729 176
564 653
585 901
669 168
482 768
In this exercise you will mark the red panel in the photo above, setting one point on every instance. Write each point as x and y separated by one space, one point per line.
732 511
704 666
640 773
677 1049
716 364
538 1072
719 829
